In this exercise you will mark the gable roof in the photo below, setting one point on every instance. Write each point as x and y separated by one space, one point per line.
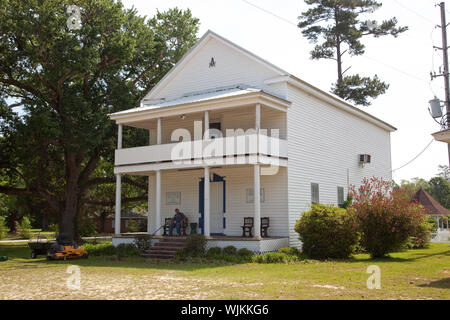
430 204
191 52
283 76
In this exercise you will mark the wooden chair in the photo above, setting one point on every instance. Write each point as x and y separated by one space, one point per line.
168 222
264 226
247 227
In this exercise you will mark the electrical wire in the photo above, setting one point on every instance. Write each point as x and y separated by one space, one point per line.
409 162
415 12
363 56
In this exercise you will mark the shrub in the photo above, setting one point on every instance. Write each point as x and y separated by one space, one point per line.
230 250
214 251
290 251
127 250
142 242
53 227
244 253
24 228
275 257
132 226
327 231
196 244
3 227
422 236
103 249
385 217
86 227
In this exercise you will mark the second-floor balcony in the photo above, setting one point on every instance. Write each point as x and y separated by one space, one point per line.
233 126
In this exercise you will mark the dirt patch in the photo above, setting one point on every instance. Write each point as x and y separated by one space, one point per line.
328 286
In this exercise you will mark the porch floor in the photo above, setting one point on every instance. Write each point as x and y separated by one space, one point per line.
212 237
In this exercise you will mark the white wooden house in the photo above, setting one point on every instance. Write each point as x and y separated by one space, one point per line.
297 145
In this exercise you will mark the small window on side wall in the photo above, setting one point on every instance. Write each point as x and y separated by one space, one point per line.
340 196
315 193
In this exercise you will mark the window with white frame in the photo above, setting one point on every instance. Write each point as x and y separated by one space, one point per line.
340 196
315 193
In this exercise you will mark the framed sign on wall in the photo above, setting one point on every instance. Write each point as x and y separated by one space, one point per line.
173 198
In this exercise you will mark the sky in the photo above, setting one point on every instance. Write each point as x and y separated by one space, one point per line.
268 29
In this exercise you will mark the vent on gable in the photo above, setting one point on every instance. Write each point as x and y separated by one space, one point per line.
212 63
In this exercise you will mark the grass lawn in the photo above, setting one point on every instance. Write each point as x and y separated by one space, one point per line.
413 274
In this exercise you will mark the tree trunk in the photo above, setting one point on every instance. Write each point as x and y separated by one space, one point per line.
339 60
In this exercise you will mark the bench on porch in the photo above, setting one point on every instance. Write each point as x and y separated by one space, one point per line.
168 222
248 227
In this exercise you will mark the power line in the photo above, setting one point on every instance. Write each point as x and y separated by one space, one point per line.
364 56
415 12
409 162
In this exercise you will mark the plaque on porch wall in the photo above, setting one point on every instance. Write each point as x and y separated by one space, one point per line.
173 198
250 197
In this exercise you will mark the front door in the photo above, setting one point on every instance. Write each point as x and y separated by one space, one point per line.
216 210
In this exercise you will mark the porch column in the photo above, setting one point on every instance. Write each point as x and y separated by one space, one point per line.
206 124
258 117
158 132
149 203
206 206
257 200
158 202
119 137
118 204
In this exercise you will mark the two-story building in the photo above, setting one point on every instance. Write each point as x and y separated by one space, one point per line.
233 136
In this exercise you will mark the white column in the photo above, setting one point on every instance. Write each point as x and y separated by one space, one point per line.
258 118
158 202
118 204
158 132
206 123
119 137
149 207
206 206
257 200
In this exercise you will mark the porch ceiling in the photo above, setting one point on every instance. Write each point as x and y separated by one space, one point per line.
220 99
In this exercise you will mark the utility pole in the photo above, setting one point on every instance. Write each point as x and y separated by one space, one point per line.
445 74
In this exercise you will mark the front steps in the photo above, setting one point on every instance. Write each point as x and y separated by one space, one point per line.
165 248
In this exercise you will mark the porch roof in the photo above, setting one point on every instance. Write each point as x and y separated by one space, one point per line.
221 97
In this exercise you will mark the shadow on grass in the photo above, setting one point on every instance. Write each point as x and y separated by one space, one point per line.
440 284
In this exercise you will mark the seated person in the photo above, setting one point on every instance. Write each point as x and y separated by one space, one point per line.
178 219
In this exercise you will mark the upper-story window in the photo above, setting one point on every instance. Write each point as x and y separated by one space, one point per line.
340 196
314 193
213 133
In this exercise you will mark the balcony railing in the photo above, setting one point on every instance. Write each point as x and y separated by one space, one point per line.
198 150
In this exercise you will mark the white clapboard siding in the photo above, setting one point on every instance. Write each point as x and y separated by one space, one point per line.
232 68
238 180
324 142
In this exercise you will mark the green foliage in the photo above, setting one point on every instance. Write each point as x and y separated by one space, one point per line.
214 251
3 227
132 226
386 218
244 252
24 228
327 231
142 241
53 227
67 82
127 250
230 250
337 27
86 227
275 257
196 244
107 249
290 251
358 89
422 236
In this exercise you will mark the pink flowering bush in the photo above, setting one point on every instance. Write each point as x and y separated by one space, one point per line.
385 217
